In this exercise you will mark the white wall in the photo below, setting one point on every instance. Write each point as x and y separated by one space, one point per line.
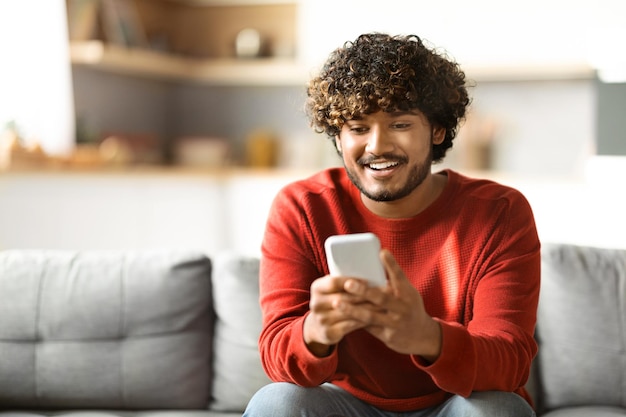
478 32
542 128
217 213
587 211
107 211
35 79
135 210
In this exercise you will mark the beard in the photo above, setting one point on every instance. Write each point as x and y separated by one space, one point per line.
417 176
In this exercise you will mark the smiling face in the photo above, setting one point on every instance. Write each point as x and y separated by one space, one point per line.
388 155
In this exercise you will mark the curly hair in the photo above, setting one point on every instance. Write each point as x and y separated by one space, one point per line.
389 73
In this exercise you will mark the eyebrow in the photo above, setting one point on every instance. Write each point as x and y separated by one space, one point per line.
403 113
398 113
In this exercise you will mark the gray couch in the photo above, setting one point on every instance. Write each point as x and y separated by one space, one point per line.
580 370
151 333
174 334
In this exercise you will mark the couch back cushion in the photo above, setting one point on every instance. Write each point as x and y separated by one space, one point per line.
238 373
582 327
102 329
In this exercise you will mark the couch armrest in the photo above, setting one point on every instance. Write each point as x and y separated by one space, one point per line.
238 373
581 326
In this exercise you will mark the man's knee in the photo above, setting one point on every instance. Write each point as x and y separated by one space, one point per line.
276 399
487 404
282 399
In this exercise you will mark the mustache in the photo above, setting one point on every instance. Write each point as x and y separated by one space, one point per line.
378 158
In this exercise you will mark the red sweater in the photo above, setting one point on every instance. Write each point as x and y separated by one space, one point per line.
473 255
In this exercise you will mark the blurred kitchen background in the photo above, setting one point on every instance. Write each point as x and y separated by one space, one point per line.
130 124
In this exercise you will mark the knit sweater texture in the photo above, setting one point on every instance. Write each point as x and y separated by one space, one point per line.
474 256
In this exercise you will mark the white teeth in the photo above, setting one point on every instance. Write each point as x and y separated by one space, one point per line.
382 165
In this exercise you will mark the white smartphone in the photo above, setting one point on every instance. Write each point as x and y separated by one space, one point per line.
356 255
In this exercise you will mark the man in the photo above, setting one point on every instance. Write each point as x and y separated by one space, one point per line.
452 332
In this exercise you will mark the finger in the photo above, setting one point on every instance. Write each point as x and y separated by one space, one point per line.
366 313
328 299
328 284
339 289
397 279
363 292
320 302
378 297
355 286
330 326
328 329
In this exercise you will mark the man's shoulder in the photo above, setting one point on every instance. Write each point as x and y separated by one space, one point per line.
483 188
330 180
487 201
322 194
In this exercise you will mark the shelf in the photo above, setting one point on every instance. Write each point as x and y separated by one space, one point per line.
529 72
207 3
272 71
219 71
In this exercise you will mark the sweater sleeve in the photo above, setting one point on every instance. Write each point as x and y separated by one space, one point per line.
495 348
288 268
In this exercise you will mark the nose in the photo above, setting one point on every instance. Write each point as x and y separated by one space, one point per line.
378 141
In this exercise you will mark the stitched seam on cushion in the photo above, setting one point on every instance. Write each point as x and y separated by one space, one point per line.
620 294
38 337
122 341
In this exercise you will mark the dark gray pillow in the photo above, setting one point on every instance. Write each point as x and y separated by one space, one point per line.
238 373
581 326
105 329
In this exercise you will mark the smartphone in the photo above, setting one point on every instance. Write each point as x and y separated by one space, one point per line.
356 255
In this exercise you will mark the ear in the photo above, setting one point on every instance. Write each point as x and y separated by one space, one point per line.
338 143
439 134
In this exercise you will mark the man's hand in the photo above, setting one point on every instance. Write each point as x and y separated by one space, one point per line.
331 314
401 321
394 314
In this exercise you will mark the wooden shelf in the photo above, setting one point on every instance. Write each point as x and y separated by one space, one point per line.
233 2
219 71
270 71
528 72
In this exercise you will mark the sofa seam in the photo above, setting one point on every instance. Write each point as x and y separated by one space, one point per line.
38 336
122 329
620 293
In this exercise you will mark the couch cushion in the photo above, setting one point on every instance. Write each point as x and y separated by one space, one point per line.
238 373
594 411
104 329
582 327
117 413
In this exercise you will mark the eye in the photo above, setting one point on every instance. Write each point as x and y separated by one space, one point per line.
401 125
358 129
